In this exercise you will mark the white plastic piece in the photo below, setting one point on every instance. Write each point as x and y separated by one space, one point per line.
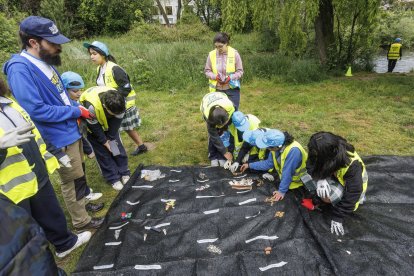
158 226
206 240
143 187
214 249
173 180
118 227
262 238
202 188
339 240
148 215
117 232
178 171
272 266
151 175
247 201
147 267
167 200
164 231
242 192
97 267
248 217
202 181
132 203
240 176
211 211
208 196
349 252
145 236
112 243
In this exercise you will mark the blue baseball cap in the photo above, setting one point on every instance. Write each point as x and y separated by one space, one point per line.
44 28
250 136
270 138
398 39
240 121
72 80
98 45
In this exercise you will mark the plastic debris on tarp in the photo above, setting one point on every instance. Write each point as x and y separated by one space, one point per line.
151 175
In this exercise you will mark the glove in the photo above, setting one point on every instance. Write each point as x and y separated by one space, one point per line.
85 113
245 158
234 167
337 227
307 203
65 161
218 79
268 176
16 136
323 189
227 79
227 164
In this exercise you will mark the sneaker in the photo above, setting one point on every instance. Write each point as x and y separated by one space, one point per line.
93 196
214 163
95 223
222 162
125 179
139 150
82 239
91 207
117 185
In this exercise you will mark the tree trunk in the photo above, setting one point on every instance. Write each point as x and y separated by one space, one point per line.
164 15
179 7
324 29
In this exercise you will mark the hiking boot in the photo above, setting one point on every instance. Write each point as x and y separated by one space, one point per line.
91 207
82 239
214 163
117 185
95 223
125 179
139 150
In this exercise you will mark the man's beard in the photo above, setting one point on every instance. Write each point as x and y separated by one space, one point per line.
48 58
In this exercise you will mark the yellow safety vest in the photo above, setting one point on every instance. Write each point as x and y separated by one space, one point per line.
254 123
17 180
296 182
341 173
211 100
110 81
394 52
230 65
91 95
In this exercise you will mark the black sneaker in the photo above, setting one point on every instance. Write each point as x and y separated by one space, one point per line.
95 223
139 150
94 207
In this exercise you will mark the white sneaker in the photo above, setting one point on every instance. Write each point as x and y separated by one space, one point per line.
214 163
93 196
222 162
83 238
117 185
125 179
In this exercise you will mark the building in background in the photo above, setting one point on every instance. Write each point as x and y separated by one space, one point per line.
172 8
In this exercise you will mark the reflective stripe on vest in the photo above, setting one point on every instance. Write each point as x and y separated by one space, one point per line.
230 65
110 81
394 52
296 182
341 173
254 123
91 95
211 100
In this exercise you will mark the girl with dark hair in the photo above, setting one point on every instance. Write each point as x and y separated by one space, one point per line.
287 157
112 75
341 176
224 69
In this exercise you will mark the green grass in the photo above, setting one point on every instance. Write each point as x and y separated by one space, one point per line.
374 112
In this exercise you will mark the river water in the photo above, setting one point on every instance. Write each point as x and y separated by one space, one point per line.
405 65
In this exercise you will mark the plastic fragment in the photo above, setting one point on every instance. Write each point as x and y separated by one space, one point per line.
211 211
170 205
201 188
279 214
117 232
214 249
349 252
272 266
97 267
151 175
248 217
132 203
178 171
164 231
143 187
247 201
173 180
145 236
118 227
126 215
112 243
262 238
268 250
207 240
147 267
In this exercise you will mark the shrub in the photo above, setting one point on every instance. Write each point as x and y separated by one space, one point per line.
8 37
305 71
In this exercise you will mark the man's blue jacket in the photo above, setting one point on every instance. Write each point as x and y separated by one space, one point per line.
56 121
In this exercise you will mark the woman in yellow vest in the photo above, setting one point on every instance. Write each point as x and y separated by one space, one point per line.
287 157
340 173
224 69
394 53
112 75
25 165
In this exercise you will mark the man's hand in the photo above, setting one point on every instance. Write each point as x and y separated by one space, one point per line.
91 155
16 136
337 228
85 113
323 189
228 156
65 161
244 167
106 145
234 167
278 195
268 176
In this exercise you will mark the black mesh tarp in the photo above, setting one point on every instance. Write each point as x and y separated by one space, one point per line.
227 234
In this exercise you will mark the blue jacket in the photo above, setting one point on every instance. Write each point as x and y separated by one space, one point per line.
56 121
